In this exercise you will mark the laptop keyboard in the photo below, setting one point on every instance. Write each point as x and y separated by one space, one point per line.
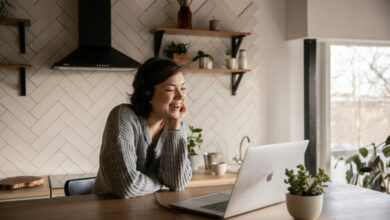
219 206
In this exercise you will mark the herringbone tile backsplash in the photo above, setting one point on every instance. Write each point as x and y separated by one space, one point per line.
57 128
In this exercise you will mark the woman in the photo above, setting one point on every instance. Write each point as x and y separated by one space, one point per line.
144 144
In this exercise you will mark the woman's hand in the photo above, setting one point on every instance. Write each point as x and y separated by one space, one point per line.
174 122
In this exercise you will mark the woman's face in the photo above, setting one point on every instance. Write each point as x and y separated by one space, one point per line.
168 97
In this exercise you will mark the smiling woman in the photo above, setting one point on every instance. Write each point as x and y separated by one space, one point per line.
144 143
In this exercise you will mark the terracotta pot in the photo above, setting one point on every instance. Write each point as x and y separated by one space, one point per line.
304 207
182 59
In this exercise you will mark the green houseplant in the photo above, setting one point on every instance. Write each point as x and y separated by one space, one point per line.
172 48
305 197
194 140
370 169
205 60
177 52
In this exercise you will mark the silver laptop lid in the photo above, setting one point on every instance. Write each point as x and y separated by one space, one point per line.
260 181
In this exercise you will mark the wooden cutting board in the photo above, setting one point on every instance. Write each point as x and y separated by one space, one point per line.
18 182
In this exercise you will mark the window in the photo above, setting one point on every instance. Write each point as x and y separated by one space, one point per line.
359 100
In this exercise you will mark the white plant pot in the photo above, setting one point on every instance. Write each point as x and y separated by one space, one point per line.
196 161
205 63
231 63
304 207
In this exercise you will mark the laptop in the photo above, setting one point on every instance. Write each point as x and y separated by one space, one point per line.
260 182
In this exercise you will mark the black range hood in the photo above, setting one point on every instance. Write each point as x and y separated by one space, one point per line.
95 51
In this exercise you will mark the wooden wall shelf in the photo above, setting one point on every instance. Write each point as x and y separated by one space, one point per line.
236 39
14 66
21 23
15 21
200 32
215 70
22 74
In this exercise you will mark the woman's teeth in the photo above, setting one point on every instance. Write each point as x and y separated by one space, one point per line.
175 105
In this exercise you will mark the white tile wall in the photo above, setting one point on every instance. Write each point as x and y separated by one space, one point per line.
57 127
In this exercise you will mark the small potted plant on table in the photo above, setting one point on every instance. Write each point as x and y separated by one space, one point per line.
305 197
194 140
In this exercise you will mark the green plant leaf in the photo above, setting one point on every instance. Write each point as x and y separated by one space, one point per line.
386 151
337 162
365 169
366 181
355 179
376 178
349 174
376 161
363 151
388 140
352 158
381 166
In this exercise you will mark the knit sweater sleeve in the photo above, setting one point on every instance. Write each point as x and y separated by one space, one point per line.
175 166
118 160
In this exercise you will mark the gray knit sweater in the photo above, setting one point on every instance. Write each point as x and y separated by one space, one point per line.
131 165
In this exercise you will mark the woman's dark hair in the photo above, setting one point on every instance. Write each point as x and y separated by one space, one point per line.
153 72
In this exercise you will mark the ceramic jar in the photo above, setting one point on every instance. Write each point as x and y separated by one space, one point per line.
304 207
242 60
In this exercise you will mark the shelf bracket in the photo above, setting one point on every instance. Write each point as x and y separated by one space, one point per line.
236 79
22 38
236 43
22 76
158 36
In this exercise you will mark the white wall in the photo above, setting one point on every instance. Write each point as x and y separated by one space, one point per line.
57 127
339 19
349 19
296 19
278 59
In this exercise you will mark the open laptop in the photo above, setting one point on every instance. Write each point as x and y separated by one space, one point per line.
260 182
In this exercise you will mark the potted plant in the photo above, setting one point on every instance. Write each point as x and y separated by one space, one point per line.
370 169
3 7
205 60
305 197
194 140
177 52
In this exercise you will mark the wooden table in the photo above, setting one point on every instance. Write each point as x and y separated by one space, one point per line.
340 202
57 182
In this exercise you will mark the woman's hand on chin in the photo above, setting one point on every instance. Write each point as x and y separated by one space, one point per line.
174 121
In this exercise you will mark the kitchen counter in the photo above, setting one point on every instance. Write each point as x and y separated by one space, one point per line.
36 192
54 185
